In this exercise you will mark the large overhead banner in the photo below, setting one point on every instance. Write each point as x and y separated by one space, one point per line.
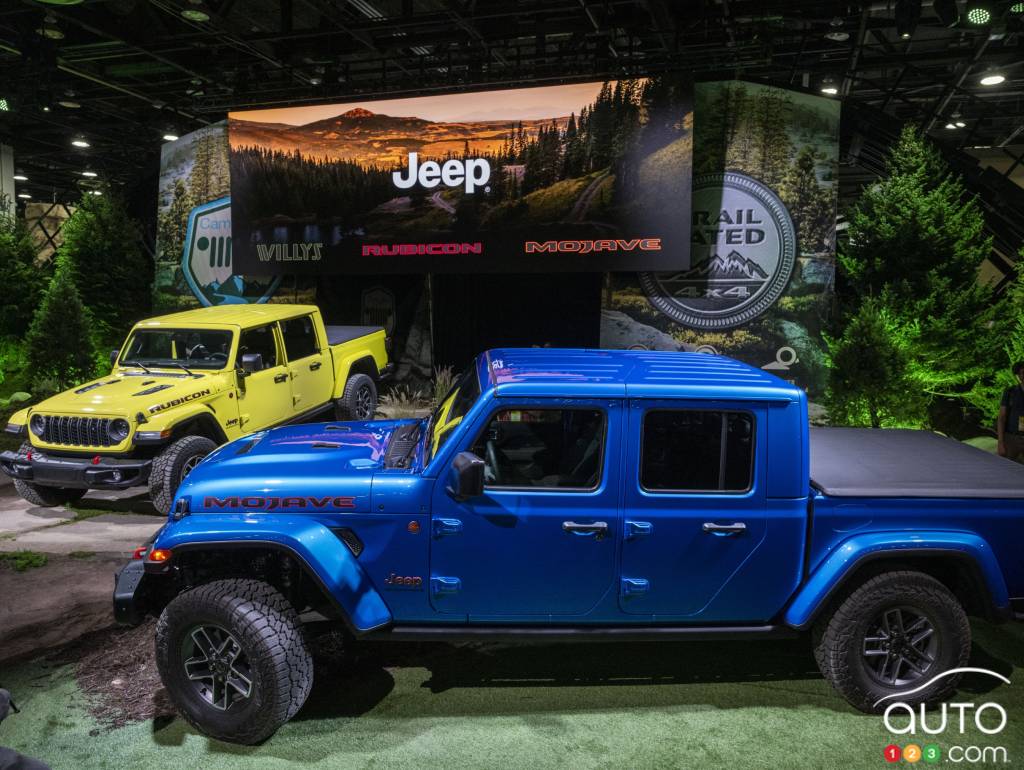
581 177
757 282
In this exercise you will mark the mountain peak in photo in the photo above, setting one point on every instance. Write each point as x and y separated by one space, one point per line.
357 112
734 266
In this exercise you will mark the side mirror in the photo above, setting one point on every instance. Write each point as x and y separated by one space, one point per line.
113 357
252 362
466 476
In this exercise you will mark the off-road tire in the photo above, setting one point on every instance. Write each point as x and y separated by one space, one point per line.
838 638
166 474
268 630
47 497
348 407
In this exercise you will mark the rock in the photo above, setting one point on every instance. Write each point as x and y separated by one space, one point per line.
622 332
809 354
820 273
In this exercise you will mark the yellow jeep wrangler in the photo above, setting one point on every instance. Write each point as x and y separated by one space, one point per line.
184 383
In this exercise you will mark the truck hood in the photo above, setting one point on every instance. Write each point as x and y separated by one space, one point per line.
300 468
126 394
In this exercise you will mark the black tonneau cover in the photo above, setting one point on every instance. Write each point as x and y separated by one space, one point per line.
861 462
339 334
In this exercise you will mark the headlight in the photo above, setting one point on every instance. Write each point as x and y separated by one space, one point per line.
118 430
37 424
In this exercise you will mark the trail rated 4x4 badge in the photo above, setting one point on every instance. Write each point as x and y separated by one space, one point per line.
741 259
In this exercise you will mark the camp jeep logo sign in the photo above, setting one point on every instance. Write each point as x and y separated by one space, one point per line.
206 261
472 173
743 249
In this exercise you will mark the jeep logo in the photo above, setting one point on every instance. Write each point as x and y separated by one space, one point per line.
404 581
474 172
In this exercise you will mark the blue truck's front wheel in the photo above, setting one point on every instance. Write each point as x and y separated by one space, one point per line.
894 638
233 658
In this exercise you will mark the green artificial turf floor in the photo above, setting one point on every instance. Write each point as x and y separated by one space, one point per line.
701 705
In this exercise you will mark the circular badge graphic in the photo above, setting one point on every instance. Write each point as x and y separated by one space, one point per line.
741 258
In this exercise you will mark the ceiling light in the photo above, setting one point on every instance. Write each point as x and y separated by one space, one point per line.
89 173
95 192
46 109
24 195
80 143
960 124
169 137
5 106
49 28
906 14
194 14
20 178
828 86
69 103
950 126
315 81
992 78
978 14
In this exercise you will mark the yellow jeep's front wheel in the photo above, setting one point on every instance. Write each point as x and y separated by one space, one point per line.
171 466
47 497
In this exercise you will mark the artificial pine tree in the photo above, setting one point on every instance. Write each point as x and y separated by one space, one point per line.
916 242
22 280
111 271
59 342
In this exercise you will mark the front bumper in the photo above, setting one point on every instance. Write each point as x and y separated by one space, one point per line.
75 472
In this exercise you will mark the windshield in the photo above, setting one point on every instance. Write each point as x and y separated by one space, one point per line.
193 348
452 409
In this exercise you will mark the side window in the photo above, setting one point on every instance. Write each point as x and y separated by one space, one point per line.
299 337
259 340
546 448
696 451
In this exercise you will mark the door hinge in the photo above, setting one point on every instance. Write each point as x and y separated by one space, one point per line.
444 585
447 527
638 528
635 586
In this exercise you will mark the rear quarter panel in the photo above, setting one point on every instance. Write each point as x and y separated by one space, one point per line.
1000 523
347 353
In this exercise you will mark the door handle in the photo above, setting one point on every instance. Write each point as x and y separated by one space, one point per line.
597 528
313 367
724 529
281 378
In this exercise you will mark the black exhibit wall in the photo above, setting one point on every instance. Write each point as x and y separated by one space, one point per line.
477 312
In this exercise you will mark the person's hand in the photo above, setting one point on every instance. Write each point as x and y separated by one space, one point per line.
1001 449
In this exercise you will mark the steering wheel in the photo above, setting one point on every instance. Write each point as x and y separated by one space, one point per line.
199 351
219 356
491 467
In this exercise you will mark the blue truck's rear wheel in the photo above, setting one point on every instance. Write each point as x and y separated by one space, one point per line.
890 638
234 659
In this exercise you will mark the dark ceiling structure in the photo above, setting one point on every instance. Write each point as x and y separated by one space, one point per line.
119 75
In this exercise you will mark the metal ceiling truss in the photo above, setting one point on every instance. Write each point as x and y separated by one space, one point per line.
139 69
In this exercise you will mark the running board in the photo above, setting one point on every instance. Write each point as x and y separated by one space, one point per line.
494 633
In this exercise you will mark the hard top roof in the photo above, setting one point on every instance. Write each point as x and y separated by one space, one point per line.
640 373
229 315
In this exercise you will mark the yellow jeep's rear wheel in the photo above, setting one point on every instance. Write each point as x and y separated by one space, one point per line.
172 466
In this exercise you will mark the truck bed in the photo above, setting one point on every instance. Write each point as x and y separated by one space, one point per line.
861 462
336 335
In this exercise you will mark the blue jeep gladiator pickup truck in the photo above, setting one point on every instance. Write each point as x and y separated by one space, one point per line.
571 495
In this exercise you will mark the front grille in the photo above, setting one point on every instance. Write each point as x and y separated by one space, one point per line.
77 431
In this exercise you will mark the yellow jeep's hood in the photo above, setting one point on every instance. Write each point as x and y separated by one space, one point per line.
127 393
